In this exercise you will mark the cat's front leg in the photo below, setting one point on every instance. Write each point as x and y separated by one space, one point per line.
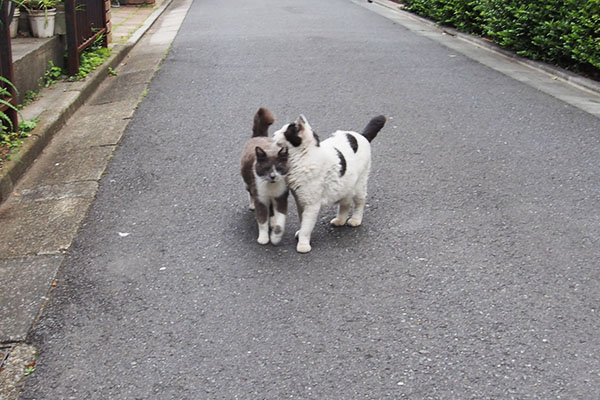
300 211
262 218
309 219
251 205
278 218
278 227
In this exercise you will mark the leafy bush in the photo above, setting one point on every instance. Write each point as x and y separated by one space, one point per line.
562 32
462 14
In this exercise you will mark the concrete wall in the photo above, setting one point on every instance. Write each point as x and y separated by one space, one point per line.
30 61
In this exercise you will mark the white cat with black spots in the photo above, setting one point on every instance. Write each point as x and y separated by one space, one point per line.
334 171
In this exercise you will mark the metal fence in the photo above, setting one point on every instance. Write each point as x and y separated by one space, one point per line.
86 21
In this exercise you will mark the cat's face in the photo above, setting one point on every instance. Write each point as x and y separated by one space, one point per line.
271 168
296 134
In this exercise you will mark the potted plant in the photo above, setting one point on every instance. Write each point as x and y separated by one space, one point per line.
60 24
14 22
13 16
41 15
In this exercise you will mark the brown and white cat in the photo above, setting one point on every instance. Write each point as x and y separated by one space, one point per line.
264 167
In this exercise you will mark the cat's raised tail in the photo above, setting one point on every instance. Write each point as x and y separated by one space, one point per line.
373 127
262 120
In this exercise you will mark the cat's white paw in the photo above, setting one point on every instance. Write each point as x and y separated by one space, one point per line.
276 239
303 247
354 222
296 235
251 207
337 222
276 234
263 239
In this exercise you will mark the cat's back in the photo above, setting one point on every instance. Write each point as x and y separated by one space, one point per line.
249 156
264 143
349 140
353 147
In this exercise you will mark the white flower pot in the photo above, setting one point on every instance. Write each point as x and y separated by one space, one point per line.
42 22
14 23
60 24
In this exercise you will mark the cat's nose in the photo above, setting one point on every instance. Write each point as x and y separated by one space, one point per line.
272 176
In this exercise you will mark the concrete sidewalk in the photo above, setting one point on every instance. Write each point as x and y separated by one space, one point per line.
64 158
56 104
44 210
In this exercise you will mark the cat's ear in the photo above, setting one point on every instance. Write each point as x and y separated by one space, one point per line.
283 153
303 122
260 153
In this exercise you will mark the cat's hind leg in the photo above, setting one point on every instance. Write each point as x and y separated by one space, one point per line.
360 199
343 212
359 209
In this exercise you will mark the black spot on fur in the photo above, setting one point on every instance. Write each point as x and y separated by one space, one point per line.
291 135
353 142
277 230
342 162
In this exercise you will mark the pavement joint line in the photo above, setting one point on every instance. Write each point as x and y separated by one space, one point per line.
4 352
54 119
569 79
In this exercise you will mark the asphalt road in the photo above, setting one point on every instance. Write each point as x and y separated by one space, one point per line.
474 276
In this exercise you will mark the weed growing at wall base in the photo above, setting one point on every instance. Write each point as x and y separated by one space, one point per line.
91 58
10 141
52 75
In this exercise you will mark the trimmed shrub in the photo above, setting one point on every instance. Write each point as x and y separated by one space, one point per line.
561 32
462 14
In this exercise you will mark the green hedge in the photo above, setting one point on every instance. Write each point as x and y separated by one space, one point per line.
561 32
